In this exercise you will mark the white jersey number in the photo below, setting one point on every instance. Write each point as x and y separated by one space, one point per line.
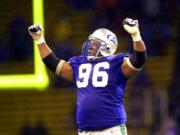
99 78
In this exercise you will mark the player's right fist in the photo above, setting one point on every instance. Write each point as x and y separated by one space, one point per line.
36 31
132 27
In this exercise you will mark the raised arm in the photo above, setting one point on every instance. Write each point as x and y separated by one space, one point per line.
59 67
135 62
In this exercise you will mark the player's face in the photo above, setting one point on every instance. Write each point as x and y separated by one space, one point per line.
95 45
94 48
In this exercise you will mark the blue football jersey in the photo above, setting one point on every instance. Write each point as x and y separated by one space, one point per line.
100 91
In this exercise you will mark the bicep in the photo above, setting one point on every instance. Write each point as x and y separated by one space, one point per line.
127 69
66 71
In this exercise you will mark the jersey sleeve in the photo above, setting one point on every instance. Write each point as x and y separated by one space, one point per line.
72 60
121 57
76 59
75 62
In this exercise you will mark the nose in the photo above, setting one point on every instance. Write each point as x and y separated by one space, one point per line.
92 47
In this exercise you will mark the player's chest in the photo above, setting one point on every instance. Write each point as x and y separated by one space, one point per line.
96 74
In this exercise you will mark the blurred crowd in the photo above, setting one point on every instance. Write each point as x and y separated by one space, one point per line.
11 47
157 21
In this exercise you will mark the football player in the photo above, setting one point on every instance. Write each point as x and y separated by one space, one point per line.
100 77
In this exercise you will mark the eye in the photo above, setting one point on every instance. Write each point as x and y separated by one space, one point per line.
95 43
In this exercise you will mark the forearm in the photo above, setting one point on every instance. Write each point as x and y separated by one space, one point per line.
44 50
48 57
139 56
55 64
139 46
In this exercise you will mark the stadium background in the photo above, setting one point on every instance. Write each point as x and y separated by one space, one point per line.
152 98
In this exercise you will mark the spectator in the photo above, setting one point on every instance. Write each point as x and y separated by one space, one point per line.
27 129
4 51
64 48
18 38
157 37
40 128
81 4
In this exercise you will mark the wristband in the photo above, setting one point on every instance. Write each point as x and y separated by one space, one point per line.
136 37
40 40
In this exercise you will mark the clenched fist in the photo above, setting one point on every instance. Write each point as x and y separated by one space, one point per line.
132 27
36 31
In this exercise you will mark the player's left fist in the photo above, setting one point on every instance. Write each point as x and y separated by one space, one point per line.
36 31
132 27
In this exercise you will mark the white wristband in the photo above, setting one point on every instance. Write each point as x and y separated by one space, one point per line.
40 40
136 37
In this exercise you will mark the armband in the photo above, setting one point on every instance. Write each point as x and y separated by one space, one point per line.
51 62
137 60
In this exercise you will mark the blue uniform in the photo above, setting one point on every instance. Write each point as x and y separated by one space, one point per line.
100 92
